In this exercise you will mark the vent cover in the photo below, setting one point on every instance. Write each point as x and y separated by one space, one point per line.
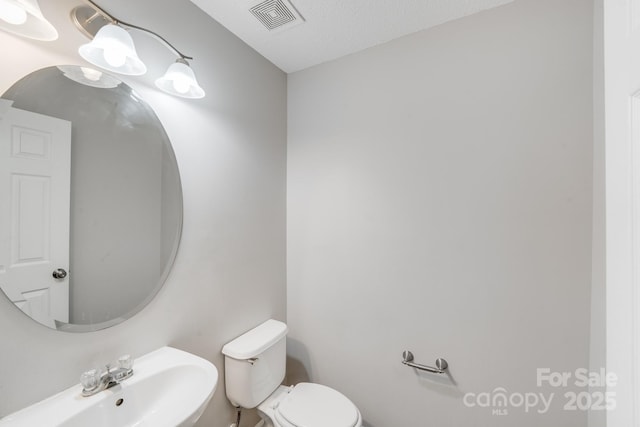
276 14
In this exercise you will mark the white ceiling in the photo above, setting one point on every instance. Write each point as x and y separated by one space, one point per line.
335 28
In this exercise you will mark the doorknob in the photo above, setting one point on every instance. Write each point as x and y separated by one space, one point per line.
59 273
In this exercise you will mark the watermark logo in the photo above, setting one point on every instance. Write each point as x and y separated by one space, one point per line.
499 401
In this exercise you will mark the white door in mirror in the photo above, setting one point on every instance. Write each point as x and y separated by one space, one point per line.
35 167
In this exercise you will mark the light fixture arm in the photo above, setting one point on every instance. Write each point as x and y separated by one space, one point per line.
117 21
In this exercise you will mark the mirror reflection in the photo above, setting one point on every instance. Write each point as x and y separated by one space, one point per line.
92 211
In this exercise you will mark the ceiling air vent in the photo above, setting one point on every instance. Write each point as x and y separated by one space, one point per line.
277 14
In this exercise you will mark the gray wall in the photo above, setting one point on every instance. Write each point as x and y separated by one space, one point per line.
230 271
116 213
597 350
439 200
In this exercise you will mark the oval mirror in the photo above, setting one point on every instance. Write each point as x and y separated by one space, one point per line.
92 203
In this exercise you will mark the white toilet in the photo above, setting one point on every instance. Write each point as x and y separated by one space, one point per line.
254 369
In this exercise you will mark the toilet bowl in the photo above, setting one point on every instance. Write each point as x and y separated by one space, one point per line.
254 370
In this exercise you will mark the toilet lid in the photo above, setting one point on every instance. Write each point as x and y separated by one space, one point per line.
316 405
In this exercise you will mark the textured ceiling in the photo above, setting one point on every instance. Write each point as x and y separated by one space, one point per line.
335 28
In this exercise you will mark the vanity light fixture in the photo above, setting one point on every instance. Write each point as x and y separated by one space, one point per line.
24 18
180 80
112 49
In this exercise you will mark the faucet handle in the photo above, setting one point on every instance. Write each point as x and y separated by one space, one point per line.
90 379
125 362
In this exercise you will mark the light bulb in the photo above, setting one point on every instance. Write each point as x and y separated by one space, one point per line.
115 57
181 85
12 13
91 74
179 80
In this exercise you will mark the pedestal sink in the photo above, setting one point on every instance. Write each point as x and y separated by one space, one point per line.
169 388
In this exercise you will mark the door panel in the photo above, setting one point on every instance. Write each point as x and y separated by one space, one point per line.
35 160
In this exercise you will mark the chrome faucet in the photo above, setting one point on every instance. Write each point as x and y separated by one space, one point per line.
96 380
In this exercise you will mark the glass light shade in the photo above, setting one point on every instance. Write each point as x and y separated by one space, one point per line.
179 80
24 18
112 49
12 13
89 76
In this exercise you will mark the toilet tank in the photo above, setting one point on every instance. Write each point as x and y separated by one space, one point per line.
254 363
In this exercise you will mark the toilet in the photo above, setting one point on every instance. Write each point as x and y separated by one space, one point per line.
254 366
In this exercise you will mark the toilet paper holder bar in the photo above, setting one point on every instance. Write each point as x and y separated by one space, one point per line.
441 364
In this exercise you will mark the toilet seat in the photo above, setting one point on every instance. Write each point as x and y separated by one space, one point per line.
316 405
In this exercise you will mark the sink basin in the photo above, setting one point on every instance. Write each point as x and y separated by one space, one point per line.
169 388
